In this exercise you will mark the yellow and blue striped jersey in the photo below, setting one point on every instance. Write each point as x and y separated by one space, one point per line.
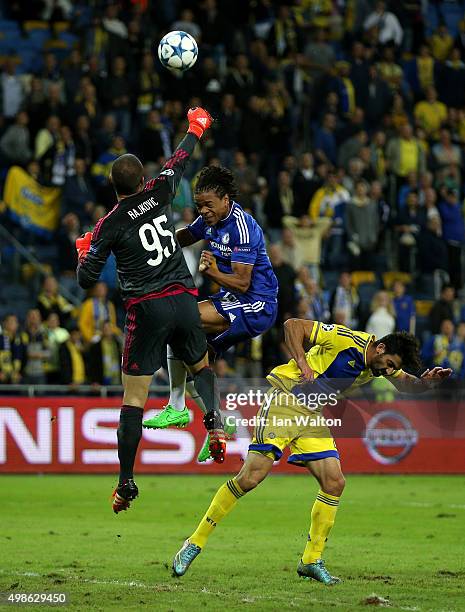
337 358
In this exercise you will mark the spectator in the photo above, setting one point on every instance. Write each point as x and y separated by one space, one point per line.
319 56
149 86
446 350
304 184
105 135
411 220
280 200
291 251
308 289
378 98
325 142
362 224
432 249
82 139
453 232
359 72
386 25
72 359
102 166
57 163
246 179
351 148
447 158
442 309
330 201
240 81
441 43
118 95
50 300
404 307
37 350
105 357
382 321
451 80
390 71
55 335
308 235
87 103
12 351
78 194
252 131
47 136
186 23
66 241
227 136
286 278
430 114
155 140
95 311
12 89
15 142
404 153
344 302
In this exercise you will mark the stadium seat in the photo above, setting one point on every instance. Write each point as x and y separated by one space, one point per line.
35 25
423 307
363 276
431 20
452 13
8 25
391 276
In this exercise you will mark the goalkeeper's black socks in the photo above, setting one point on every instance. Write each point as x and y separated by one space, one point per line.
129 435
207 387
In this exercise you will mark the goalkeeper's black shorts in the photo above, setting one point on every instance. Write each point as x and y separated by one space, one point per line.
153 323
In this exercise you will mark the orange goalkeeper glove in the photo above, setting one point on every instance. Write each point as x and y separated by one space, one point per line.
199 121
83 245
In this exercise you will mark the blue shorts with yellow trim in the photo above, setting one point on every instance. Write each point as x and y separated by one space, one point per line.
283 422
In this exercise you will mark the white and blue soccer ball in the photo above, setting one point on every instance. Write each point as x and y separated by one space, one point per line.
178 51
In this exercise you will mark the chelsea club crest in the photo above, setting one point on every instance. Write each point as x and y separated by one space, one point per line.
225 239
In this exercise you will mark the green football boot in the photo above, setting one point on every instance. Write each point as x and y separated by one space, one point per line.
168 417
317 571
204 454
184 558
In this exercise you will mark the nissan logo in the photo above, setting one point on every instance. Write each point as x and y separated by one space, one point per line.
389 430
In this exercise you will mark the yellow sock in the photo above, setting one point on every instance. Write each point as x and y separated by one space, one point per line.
323 515
224 501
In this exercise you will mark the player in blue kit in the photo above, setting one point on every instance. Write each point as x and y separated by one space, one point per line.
246 306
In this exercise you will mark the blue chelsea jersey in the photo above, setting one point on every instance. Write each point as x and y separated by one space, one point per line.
238 238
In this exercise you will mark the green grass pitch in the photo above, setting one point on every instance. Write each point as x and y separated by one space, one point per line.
399 537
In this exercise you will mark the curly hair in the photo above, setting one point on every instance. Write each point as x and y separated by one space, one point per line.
217 179
406 346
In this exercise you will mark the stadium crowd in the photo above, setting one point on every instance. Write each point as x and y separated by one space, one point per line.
342 121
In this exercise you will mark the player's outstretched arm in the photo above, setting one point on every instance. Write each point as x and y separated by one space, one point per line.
93 251
199 121
296 335
407 383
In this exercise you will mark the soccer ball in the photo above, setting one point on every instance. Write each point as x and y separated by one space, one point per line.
178 51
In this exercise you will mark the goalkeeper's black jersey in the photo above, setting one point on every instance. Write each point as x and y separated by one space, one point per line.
140 232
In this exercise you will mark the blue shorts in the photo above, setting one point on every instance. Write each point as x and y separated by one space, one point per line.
246 319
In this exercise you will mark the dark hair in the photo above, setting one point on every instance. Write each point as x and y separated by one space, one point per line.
406 346
217 179
126 174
